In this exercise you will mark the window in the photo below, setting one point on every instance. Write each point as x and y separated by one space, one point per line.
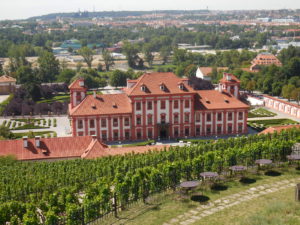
163 118
139 134
138 120
208 130
219 116
80 133
104 137
197 131
92 132
150 133
219 129
127 135
149 105
187 131
138 106
229 129
150 120
103 122
240 115
116 135
187 104
176 106
92 123
240 128
197 117
115 122
186 118
176 132
176 118
208 117
162 104
126 122
80 124
230 116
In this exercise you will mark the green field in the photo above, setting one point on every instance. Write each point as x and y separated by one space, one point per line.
275 208
57 98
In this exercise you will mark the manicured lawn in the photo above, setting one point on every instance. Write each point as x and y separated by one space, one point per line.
263 124
57 98
278 206
43 134
260 112
29 126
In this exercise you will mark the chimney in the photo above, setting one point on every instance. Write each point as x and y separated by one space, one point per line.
37 141
25 142
95 94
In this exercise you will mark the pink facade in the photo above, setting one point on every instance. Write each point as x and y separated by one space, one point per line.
165 116
282 106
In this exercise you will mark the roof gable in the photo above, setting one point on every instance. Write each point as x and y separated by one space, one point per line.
153 81
103 104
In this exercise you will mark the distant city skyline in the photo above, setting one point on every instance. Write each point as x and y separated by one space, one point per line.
22 9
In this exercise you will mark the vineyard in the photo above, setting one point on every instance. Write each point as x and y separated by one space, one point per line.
80 191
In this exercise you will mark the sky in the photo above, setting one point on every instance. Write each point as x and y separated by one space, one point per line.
22 9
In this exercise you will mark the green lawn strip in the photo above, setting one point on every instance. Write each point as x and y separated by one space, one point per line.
263 124
41 133
276 208
169 205
29 126
57 98
28 120
143 143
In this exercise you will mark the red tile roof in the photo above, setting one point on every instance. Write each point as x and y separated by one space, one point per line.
5 78
85 147
232 80
152 81
76 84
103 105
212 99
62 147
278 128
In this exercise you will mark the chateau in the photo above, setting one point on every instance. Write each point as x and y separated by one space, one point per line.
158 106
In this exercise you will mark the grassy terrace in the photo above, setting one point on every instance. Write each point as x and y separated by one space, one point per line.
260 112
263 124
57 98
275 208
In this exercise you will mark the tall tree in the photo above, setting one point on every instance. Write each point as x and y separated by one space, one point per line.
287 91
48 66
118 78
108 59
149 57
131 53
87 55
16 57
164 53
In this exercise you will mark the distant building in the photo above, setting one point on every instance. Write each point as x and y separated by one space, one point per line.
158 105
264 59
7 85
282 105
206 72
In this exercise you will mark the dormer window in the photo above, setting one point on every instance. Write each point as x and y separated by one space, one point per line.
143 88
226 100
81 83
162 87
181 86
